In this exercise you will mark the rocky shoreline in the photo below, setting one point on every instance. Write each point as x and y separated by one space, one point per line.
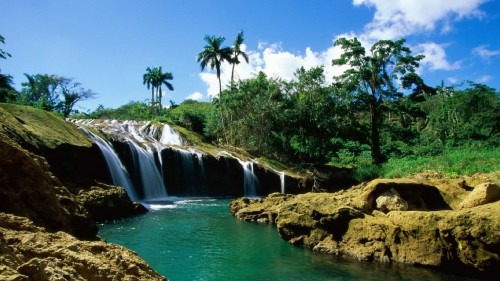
48 227
443 226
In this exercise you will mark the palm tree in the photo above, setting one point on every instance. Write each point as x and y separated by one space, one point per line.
162 79
236 50
148 80
214 54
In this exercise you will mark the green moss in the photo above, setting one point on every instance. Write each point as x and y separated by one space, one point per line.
39 128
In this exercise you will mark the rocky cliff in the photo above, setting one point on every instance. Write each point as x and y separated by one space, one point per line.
47 226
404 221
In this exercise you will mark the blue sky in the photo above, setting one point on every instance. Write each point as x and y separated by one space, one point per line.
107 45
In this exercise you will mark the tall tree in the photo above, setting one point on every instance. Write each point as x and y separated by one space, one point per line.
214 55
374 78
161 78
236 53
148 80
7 92
41 91
3 54
53 93
72 92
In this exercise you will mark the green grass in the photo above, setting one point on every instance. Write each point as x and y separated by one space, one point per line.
38 128
452 163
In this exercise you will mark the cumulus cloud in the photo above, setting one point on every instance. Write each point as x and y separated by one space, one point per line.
435 57
485 54
197 96
274 62
393 19
399 18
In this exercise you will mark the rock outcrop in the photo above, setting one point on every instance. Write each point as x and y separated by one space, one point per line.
481 194
350 222
107 202
48 231
30 253
28 189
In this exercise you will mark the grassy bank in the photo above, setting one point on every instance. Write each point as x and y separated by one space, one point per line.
452 163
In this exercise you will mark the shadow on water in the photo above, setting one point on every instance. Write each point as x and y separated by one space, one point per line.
197 239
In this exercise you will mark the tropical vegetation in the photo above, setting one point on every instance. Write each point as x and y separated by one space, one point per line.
378 117
155 78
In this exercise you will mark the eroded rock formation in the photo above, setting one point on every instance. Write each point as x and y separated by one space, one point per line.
28 252
47 230
350 222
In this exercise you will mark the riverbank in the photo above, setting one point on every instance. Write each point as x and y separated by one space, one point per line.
446 224
48 228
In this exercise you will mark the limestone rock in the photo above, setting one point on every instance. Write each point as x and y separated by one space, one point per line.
349 223
29 252
107 202
27 188
481 194
390 200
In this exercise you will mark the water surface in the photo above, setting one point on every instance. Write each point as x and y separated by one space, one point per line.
200 240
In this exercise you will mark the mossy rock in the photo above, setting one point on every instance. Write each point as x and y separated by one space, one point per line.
39 129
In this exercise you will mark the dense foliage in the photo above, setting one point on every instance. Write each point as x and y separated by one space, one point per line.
378 111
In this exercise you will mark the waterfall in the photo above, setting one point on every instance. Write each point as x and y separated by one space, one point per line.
169 136
119 174
151 180
250 181
282 181
201 168
156 158
189 172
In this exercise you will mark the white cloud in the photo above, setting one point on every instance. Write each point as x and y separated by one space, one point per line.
274 62
452 80
195 96
435 57
394 19
484 79
485 54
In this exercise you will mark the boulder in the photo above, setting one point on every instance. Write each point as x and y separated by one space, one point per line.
108 202
390 200
481 194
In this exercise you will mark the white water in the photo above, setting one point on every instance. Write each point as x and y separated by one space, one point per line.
169 136
152 182
282 182
250 180
156 137
119 174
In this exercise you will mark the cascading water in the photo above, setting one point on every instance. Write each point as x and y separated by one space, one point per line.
119 174
251 182
282 182
202 170
169 136
151 180
156 158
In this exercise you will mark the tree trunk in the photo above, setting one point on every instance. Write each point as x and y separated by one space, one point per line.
232 75
152 96
220 84
375 132
159 102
